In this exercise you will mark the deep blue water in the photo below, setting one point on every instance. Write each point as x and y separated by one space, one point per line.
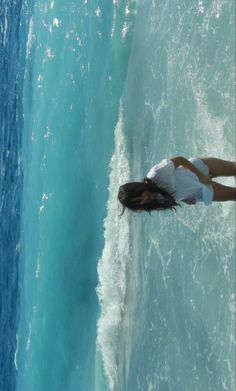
11 188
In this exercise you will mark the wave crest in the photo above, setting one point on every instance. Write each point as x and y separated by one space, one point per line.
114 260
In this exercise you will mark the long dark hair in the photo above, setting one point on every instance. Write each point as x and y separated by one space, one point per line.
129 196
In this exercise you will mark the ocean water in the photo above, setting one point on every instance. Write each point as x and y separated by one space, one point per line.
11 178
93 93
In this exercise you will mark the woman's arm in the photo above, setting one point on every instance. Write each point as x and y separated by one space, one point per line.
190 201
181 161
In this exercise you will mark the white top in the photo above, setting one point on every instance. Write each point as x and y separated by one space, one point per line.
181 182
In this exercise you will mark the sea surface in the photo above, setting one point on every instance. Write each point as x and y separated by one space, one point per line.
93 93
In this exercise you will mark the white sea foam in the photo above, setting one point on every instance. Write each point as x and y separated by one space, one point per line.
29 337
30 37
113 263
56 22
37 272
5 29
16 352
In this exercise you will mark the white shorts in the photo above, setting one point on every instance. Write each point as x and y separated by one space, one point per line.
207 190
200 165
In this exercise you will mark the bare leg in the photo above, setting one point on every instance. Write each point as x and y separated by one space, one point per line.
219 167
223 193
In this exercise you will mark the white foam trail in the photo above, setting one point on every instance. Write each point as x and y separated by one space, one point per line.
16 352
29 337
113 263
30 38
5 29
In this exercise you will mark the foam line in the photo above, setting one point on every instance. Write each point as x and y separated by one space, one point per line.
115 257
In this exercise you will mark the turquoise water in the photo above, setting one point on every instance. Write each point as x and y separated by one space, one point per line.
138 302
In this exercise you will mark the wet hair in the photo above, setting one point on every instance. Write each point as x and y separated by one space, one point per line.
129 196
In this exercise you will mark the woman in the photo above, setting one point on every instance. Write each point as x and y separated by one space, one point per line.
179 179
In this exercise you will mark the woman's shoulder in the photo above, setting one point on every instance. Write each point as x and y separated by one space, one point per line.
165 167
